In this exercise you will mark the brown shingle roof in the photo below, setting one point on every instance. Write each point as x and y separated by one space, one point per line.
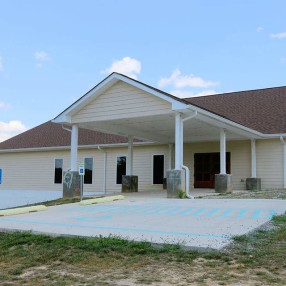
50 134
263 110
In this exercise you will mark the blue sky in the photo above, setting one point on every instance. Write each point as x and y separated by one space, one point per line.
51 52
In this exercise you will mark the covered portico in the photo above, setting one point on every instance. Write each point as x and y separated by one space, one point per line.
120 105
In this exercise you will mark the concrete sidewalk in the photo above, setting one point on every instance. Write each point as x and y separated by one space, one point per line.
192 223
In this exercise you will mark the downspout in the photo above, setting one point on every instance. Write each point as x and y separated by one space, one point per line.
284 161
187 170
104 172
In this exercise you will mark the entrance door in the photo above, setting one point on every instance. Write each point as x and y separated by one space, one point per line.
158 169
206 166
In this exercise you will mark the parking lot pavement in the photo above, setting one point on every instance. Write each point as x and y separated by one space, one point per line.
192 223
14 198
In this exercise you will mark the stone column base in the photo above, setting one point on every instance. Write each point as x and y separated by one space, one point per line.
223 183
129 184
253 184
71 184
174 183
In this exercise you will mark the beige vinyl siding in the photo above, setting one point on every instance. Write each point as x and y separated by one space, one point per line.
122 101
270 163
35 170
240 159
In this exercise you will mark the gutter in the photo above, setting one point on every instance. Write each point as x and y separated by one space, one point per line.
56 148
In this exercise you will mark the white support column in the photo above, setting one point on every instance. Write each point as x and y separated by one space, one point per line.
253 158
222 152
170 156
182 142
178 142
284 161
284 165
74 147
129 169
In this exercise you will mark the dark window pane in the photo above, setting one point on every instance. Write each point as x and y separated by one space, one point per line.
58 171
88 165
158 169
121 169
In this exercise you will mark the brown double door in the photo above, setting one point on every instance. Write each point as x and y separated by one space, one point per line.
206 165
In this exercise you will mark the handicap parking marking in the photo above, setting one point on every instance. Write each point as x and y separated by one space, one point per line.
91 218
167 209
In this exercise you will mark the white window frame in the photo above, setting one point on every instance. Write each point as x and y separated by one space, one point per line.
55 171
123 155
90 157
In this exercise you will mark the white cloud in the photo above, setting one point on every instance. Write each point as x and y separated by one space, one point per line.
41 57
179 81
10 129
1 64
4 105
278 35
127 66
185 94
259 29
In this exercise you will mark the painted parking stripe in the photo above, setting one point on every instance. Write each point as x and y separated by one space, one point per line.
271 214
198 212
165 210
226 213
241 213
186 211
256 214
140 230
212 212
174 211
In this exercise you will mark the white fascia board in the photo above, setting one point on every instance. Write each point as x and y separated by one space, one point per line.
59 148
65 117
256 134
227 121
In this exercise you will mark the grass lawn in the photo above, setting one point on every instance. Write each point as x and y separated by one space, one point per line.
27 259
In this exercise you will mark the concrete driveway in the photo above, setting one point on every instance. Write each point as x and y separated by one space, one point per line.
194 223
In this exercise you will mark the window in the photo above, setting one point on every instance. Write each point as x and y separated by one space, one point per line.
121 169
58 171
158 169
88 165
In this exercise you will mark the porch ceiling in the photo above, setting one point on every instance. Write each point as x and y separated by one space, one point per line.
161 128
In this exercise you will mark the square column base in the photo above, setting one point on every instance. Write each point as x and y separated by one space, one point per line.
71 184
129 184
223 183
253 184
174 183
